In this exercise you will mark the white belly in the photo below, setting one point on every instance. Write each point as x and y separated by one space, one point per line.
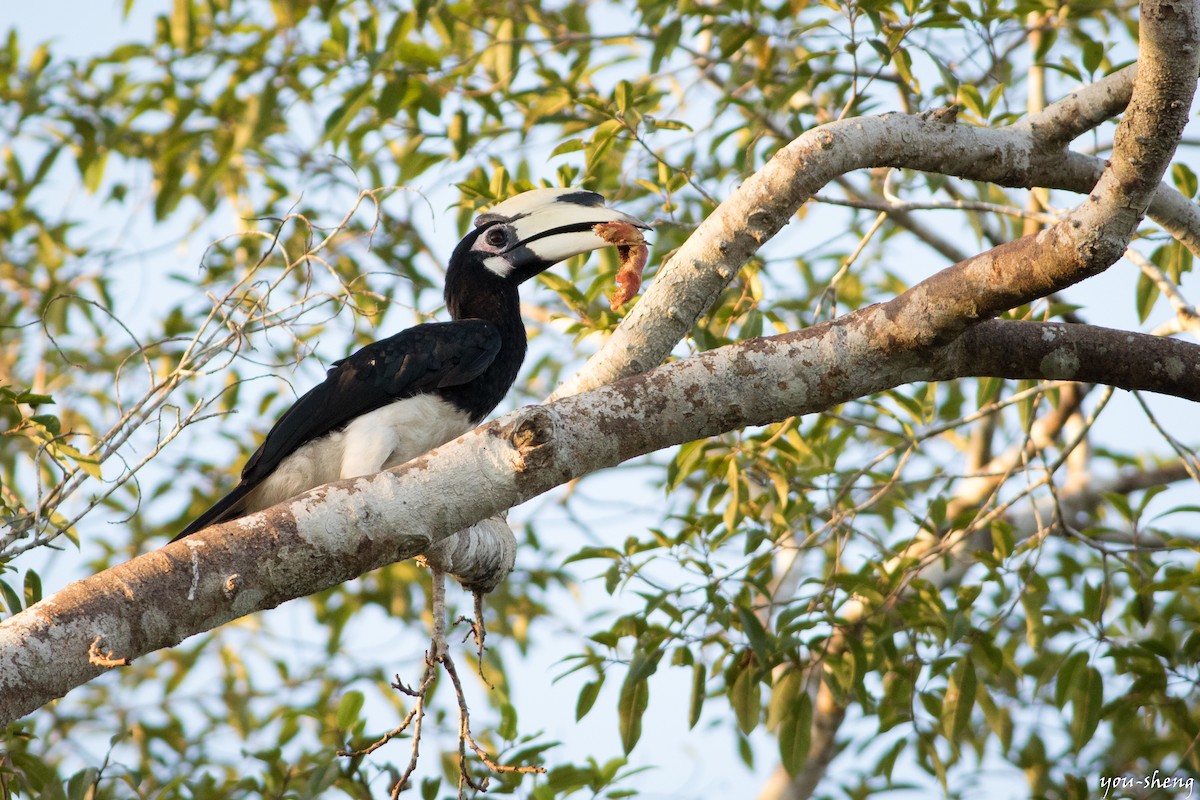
378 440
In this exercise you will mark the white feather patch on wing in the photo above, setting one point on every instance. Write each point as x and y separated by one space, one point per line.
378 440
389 436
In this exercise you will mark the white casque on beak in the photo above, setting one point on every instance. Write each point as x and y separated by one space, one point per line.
549 226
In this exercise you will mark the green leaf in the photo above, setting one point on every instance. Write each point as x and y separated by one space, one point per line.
1147 295
1184 179
49 422
752 325
631 705
612 578
81 784
746 698
733 502
1088 703
503 56
902 61
1093 55
34 399
1068 673
960 699
94 174
699 684
391 96
33 588
1174 259
671 125
970 99
895 708
348 709
998 718
795 735
885 53
89 464
11 598
340 118
182 25
635 697
988 391
320 779
1094 597
602 140
569 146
733 38
1035 629
585 553
507 729
756 634
587 697
785 696
1045 42
417 54
665 42
623 97
994 96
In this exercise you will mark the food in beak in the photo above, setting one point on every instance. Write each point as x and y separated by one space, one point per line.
632 250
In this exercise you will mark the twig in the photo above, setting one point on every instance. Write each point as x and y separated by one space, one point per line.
439 654
465 738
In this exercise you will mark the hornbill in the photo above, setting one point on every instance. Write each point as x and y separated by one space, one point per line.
399 397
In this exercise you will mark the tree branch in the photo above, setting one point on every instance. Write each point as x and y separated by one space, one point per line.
1028 154
337 532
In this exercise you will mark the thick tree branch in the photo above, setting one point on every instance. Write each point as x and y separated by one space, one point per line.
337 532
1028 154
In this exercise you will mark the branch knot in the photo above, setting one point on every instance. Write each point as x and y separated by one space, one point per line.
528 434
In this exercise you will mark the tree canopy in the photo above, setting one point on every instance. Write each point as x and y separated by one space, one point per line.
889 492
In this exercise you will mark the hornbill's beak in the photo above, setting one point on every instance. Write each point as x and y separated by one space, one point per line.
526 234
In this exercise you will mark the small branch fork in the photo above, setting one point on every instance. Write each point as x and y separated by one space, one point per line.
439 654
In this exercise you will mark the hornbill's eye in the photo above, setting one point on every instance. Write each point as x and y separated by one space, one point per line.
496 237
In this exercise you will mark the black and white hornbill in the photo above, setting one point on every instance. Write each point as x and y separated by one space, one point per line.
399 397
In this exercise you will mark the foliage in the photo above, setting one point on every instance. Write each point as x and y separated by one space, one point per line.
842 565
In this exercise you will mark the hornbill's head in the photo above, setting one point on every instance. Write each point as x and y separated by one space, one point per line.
524 235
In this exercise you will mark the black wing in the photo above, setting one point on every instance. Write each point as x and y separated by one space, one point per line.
421 359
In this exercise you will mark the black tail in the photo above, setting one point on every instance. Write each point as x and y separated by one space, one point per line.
228 507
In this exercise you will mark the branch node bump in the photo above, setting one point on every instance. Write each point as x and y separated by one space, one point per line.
946 115
528 434
99 659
